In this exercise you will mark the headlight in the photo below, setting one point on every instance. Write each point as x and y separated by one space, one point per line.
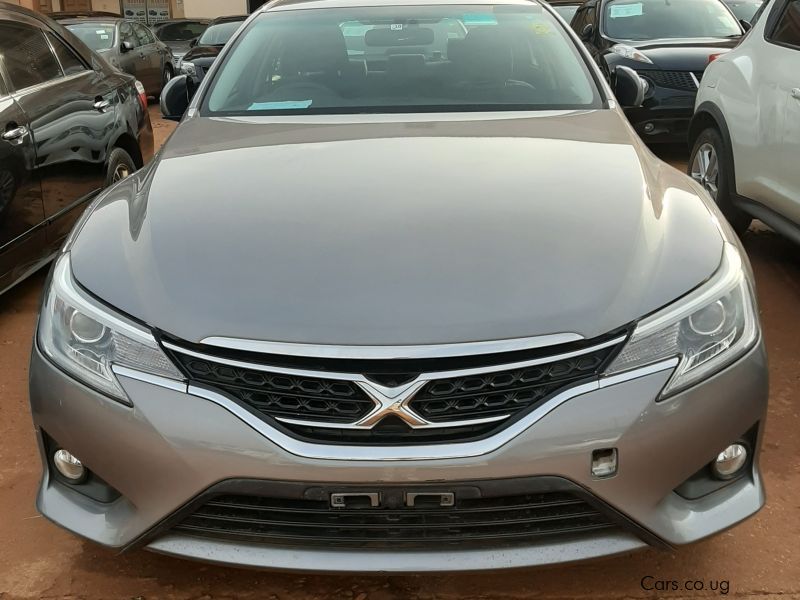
631 53
187 68
86 339
707 330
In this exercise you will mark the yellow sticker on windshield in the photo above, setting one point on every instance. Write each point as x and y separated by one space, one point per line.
541 29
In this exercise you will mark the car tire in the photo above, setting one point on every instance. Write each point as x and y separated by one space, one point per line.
120 166
711 165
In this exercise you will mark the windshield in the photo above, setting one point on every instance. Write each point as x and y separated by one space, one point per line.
744 9
219 35
567 11
98 36
403 59
183 31
657 19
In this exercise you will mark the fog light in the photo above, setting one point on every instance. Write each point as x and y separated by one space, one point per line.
69 466
649 128
604 463
730 461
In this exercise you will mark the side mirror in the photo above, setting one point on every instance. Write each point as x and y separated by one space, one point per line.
746 25
126 47
629 88
193 43
586 32
176 96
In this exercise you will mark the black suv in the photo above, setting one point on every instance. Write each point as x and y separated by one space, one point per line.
70 125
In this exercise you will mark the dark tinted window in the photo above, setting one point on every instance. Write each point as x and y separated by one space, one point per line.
787 30
27 55
144 35
69 62
181 32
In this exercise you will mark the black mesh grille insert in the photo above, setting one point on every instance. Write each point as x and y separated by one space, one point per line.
676 80
277 395
506 392
472 521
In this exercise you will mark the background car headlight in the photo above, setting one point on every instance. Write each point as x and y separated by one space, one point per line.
86 339
631 53
187 68
707 330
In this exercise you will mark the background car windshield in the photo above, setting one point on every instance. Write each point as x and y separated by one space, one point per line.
180 32
403 59
98 36
657 19
219 35
744 9
567 11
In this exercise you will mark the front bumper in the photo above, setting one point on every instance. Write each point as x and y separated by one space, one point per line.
172 446
664 117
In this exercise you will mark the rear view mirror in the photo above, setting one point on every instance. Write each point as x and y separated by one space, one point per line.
176 97
407 36
126 47
629 88
586 32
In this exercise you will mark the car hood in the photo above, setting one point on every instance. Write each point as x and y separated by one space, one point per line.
179 48
204 55
371 230
684 54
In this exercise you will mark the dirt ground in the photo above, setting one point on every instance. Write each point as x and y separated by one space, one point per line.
757 559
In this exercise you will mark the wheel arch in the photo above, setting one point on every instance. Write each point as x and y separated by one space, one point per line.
708 115
128 143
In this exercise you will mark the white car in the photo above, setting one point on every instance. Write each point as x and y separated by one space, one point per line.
745 134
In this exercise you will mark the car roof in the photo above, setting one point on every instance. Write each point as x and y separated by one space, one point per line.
308 4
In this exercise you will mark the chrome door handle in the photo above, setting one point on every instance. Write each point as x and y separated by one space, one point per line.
796 93
15 135
102 105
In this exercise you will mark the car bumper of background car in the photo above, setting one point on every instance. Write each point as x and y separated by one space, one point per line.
664 116
163 455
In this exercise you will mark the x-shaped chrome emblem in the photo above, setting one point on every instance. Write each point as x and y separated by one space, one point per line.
392 401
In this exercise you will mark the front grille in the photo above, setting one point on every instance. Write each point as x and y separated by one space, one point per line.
676 80
501 520
479 398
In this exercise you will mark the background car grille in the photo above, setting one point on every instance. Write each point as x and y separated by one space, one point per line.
283 521
676 80
457 408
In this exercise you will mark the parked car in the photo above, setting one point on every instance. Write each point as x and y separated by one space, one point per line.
129 46
566 8
669 44
69 126
307 306
745 133
179 34
745 10
197 61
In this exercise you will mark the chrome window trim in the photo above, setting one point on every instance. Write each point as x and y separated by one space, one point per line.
393 352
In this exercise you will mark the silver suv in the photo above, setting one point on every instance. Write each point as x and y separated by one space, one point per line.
430 305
